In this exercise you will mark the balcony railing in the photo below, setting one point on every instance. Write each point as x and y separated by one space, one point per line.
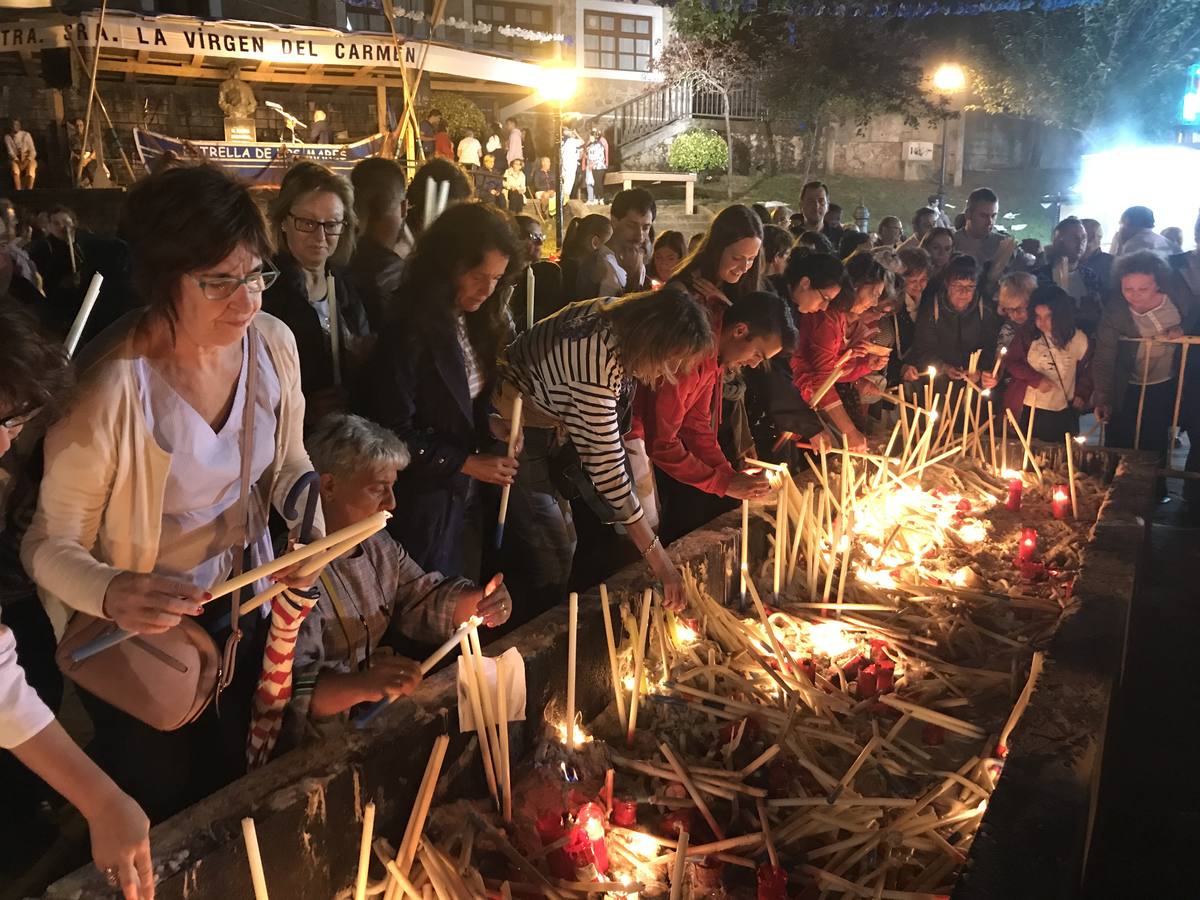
646 113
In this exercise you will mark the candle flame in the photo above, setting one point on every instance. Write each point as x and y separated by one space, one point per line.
830 639
1003 351
972 533
1013 475
581 736
643 846
1081 439
1060 494
880 578
627 682
684 634
931 371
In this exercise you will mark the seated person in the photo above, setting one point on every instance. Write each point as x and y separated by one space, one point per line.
488 183
375 594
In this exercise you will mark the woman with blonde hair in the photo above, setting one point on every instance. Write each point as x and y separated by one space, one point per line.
577 371
314 224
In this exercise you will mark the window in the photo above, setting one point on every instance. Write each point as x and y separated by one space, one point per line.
375 22
616 41
535 18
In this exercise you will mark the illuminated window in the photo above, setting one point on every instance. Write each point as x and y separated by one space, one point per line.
616 41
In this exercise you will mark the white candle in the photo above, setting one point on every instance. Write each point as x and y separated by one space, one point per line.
572 633
85 311
430 200
335 337
529 290
257 877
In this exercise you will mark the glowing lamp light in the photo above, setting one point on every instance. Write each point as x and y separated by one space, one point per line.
949 78
558 83
830 639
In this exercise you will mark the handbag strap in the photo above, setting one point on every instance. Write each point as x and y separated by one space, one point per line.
246 443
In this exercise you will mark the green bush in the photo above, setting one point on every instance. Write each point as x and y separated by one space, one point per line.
459 114
698 150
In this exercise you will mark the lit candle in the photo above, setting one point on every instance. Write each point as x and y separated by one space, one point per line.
1028 545
1015 488
1060 501
745 550
591 817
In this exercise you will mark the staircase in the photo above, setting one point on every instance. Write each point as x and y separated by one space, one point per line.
648 115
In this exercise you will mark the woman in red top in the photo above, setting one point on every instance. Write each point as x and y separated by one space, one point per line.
442 145
837 341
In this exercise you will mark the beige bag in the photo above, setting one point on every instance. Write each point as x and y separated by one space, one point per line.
167 680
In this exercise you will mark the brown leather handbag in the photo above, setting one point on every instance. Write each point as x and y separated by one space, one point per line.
167 680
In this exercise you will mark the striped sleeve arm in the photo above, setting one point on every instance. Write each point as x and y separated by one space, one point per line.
588 402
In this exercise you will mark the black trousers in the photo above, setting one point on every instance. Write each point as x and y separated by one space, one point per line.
1050 425
167 771
683 508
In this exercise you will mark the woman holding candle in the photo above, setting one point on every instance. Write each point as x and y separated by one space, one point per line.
428 378
834 344
141 509
728 262
774 407
314 223
577 371
953 325
34 383
1051 371
378 594
1135 380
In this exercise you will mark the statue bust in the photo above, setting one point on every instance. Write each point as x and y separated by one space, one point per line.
235 98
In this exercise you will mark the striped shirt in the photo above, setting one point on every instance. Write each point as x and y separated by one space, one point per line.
475 377
568 366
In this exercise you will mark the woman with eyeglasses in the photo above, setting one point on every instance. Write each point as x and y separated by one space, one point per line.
429 376
314 224
141 509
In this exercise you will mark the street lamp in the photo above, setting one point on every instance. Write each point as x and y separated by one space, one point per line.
558 84
950 78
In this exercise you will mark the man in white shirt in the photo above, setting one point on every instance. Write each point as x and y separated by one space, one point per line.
22 156
469 150
979 238
632 214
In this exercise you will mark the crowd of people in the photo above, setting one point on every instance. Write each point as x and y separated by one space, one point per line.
345 334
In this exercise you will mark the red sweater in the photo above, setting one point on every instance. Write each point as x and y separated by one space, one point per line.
821 346
678 423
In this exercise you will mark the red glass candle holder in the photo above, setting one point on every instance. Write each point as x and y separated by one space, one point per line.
1015 488
1060 501
772 882
624 812
1027 546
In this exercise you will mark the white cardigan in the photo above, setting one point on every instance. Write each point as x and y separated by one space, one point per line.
100 506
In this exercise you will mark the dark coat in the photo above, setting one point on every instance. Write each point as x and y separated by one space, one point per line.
287 299
945 337
415 384
375 272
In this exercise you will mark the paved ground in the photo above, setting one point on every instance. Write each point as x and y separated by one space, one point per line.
1145 837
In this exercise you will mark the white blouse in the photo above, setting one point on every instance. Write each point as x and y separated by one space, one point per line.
1059 365
199 527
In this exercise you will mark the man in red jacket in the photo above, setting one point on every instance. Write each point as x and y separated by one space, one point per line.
678 422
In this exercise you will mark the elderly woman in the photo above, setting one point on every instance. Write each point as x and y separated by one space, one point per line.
142 508
428 380
376 593
577 371
31 386
1123 369
314 222
953 324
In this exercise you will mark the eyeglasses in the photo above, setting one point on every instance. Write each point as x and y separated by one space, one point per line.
223 288
826 297
538 238
308 226
20 419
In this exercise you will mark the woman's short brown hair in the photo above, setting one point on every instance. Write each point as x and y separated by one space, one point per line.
184 220
36 371
307 177
658 329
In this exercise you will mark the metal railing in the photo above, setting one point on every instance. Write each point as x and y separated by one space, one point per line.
659 107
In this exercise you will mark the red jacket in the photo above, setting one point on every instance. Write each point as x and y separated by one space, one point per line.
678 423
821 346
